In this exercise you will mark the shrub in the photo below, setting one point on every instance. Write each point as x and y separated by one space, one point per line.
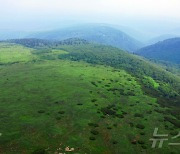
141 142
102 116
173 121
93 83
93 124
140 126
123 112
174 133
115 125
94 132
93 100
41 111
138 115
131 124
39 151
108 111
149 112
61 112
114 142
119 116
144 146
58 118
142 133
92 138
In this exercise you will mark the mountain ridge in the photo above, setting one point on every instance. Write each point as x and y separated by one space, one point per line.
167 50
93 33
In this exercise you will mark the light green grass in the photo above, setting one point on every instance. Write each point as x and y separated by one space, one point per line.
152 81
11 53
60 85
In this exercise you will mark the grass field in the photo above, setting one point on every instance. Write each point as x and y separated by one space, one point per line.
48 105
11 53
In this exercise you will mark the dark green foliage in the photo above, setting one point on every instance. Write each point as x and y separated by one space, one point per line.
93 83
115 142
140 126
115 125
175 122
119 115
37 43
41 111
138 115
39 151
108 111
141 142
93 100
131 124
93 124
142 133
58 118
61 112
124 113
94 132
174 133
144 146
92 138
79 104
149 112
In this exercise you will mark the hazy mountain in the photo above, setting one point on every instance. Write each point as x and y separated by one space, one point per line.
167 50
7 34
161 38
94 33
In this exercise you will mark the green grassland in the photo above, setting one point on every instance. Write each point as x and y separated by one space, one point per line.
12 53
48 103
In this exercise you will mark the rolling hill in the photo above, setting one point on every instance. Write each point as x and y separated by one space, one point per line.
94 33
82 96
167 50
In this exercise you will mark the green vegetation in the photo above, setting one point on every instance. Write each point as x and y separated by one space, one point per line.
87 97
11 53
167 50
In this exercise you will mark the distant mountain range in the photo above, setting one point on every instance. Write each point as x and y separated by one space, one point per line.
8 34
167 50
161 38
93 33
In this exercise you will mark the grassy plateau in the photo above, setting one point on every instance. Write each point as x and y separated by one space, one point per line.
51 103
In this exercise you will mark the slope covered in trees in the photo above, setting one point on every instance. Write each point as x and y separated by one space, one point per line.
167 50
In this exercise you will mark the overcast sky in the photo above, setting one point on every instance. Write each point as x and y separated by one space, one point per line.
44 14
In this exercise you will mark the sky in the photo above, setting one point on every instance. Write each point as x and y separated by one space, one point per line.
150 15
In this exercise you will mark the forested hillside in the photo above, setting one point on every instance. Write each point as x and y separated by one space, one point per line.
167 50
